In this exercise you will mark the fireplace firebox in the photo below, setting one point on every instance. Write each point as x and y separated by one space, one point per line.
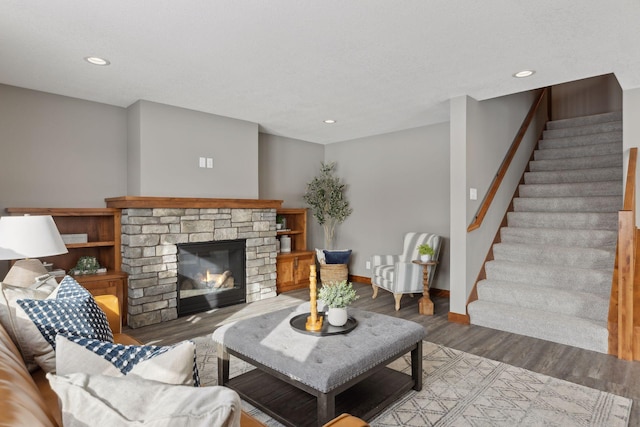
210 275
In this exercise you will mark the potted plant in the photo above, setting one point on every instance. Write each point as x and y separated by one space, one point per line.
426 252
86 265
280 222
325 196
337 295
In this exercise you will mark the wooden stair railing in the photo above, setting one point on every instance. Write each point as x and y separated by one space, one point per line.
624 305
506 162
493 189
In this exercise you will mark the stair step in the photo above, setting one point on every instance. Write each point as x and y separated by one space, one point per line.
544 255
574 189
581 140
578 304
565 278
604 239
577 163
568 204
564 220
572 176
551 272
585 120
587 334
579 151
583 130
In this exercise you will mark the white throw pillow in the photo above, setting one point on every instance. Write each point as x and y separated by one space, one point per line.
167 364
131 401
43 287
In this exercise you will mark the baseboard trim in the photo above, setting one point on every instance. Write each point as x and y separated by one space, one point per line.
360 279
435 292
463 319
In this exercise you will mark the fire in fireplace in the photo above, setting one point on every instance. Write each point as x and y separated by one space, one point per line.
210 275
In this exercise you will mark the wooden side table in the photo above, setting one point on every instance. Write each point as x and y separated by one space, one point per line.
425 303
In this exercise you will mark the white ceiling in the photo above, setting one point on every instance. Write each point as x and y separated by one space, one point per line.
375 66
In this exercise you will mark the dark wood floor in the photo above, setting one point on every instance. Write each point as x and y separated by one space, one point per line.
596 370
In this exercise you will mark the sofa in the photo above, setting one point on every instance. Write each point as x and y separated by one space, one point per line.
27 398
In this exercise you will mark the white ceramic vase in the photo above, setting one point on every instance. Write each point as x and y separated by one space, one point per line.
425 258
337 316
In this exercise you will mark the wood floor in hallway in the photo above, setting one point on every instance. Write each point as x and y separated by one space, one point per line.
591 369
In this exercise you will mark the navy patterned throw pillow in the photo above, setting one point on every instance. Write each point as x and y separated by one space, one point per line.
337 257
174 364
70 310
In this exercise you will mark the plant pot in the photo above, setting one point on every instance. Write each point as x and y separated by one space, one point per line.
337 316
425 258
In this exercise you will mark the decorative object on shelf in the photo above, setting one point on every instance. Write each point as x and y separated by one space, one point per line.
285 244
75 238
426 252
337 296
23 238
314 322
281 222
325 196
87 265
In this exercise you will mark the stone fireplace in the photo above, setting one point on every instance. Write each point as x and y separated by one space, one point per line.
152 229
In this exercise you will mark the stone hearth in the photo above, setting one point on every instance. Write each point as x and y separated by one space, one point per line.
151 228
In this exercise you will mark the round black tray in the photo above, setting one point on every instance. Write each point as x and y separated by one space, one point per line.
299 323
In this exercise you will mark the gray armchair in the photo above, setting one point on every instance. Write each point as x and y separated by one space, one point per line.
397 274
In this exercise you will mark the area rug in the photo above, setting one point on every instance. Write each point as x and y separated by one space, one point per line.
461 389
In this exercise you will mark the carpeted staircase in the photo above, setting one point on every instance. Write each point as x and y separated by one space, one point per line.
552 270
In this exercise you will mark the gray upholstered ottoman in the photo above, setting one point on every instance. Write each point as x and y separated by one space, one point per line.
305 379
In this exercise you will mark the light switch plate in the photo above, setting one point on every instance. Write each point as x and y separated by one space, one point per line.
203 162
473 194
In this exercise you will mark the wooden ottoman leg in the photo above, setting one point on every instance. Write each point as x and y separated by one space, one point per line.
416 366
326 407
223 365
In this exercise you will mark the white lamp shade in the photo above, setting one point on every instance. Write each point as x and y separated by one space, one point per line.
29 237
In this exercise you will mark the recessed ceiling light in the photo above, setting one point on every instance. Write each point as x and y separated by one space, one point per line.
329 121
95 60
524 73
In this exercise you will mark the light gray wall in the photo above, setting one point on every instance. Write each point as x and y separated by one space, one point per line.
483 132
57 151
458 203
396 182
286 165
134 150
172 139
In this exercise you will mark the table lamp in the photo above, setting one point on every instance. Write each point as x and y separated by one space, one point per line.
26 237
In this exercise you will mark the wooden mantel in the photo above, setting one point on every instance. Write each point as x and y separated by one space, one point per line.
141 202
